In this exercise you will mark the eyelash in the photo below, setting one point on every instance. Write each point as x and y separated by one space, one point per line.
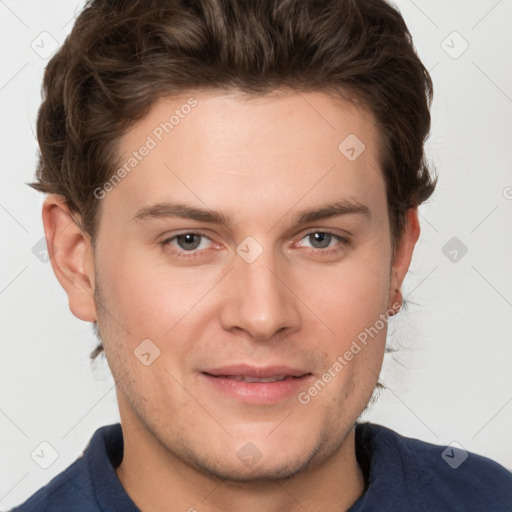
196 252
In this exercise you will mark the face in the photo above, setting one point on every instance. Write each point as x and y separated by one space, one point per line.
250 242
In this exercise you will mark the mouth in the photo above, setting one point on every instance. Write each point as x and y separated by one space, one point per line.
256 385
247 378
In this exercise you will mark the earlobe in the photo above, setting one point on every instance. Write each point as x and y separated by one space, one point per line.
71 256
403 255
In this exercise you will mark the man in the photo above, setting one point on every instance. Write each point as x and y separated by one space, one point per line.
233 192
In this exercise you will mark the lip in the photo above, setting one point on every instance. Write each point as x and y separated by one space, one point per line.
258 372
256 393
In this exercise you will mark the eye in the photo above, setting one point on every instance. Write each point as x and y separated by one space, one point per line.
189 242
324 240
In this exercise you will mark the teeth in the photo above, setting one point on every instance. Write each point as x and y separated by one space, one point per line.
244 378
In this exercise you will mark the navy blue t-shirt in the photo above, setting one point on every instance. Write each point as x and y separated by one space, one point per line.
402 474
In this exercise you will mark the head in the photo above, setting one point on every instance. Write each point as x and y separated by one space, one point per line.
239 184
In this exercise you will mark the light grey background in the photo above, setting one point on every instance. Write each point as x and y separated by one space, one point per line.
452 379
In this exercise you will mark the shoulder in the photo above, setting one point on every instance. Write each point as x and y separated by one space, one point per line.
74 489
429 475
62 492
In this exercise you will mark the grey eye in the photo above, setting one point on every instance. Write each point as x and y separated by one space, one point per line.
319 239
188 241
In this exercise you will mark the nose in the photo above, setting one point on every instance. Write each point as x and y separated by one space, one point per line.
259 298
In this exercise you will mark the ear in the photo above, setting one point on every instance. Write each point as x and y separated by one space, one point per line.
71 255
402 256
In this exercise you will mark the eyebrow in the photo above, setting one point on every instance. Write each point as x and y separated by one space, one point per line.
183 210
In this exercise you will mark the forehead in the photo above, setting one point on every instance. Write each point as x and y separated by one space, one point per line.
226 150
281 119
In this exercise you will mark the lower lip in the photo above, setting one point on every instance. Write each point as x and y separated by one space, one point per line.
259 392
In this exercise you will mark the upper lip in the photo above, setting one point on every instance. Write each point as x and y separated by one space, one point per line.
258 372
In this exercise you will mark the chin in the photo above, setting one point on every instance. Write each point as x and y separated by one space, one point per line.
239 472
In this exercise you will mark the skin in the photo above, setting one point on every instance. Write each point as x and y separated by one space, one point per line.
259 161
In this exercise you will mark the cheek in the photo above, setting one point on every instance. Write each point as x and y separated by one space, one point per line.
351 303
349 297
132 290
148 296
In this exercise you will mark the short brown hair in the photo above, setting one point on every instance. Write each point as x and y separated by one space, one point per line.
122 55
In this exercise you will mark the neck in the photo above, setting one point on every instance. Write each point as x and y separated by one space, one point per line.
157 480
